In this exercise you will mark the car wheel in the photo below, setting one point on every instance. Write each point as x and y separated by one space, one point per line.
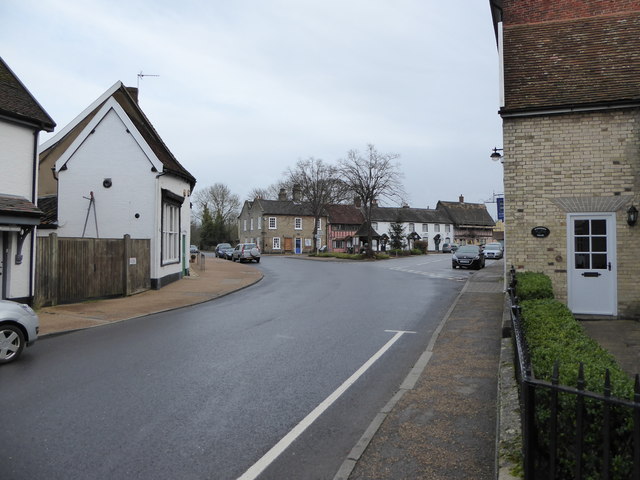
257 260
11 343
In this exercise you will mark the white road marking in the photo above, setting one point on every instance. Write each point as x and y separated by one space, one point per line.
430 274
269 457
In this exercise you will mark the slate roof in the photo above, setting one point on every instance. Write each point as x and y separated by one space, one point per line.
364 230
283 207
124 98
16 206
580 62
466 214
408 215
17 102
49 206
344 214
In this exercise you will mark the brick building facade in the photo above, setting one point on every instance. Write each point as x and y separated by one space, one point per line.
571 133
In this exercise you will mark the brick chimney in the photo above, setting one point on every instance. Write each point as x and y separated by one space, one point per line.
357 202
297 193
133 91
461 199
282 196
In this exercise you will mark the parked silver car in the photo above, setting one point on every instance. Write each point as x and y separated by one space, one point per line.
19 327
493 250
246 251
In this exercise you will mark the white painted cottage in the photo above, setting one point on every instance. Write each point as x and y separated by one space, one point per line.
113 175
21 120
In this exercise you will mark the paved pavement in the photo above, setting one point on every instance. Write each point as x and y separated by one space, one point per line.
210 278
442 421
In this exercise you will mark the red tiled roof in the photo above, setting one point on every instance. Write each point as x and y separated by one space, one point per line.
583 62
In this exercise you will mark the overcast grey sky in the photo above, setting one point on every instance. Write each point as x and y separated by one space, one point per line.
248 87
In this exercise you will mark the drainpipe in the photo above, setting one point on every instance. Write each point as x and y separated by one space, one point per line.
34 200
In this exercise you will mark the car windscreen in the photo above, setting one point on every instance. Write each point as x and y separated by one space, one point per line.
468 249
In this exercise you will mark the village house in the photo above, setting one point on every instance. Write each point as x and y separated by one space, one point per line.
343 223
281 226
473 224
571 133
108 174
21 120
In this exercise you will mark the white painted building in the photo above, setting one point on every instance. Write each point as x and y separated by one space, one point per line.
21 120
425 222
113 175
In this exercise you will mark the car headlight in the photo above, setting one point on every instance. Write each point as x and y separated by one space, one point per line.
27 308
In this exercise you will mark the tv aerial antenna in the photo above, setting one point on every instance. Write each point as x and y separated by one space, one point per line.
141 75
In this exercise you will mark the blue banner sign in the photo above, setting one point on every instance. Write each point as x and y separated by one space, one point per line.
500 205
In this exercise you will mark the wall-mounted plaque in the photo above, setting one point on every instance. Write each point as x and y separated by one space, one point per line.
540 232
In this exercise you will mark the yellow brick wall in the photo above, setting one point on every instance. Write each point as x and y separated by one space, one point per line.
594 154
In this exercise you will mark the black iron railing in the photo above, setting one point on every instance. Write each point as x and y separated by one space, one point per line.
540 455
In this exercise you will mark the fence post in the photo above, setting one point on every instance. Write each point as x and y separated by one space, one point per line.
606 428
126 284
636 430
579 439
54 266
553 440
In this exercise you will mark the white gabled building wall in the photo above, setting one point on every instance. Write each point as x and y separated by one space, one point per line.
110 149
17 178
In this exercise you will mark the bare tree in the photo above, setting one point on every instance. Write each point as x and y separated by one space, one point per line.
270 193
220 201
319 185
372 176
223 206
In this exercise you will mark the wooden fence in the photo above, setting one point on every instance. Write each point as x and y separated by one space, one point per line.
75 269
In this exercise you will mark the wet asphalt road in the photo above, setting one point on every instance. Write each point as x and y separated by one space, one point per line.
204 392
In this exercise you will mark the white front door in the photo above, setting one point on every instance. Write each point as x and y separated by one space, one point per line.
591 275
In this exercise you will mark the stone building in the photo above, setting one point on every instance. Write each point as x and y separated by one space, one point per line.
571 127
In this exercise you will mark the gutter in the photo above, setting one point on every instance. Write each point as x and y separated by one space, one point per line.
564 110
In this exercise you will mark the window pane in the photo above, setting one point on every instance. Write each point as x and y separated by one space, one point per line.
599 244
599 261
582 244
582 261
598 227
581 227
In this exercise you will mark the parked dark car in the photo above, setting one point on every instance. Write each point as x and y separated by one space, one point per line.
222 249
449 247
468 256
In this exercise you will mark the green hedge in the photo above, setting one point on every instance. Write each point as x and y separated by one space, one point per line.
533 285
553 334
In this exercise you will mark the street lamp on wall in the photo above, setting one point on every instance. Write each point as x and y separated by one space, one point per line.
632 216
495 156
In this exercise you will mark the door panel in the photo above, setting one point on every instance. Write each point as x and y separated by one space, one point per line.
591 274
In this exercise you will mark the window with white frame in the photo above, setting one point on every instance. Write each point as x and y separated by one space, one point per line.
171 204
276 243
319 224
412 227
252 224
425 227
259 223
447 228
244 225
297 223
436 228
272 223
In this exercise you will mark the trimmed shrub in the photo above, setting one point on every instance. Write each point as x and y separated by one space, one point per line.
421 245
533 285
553 334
